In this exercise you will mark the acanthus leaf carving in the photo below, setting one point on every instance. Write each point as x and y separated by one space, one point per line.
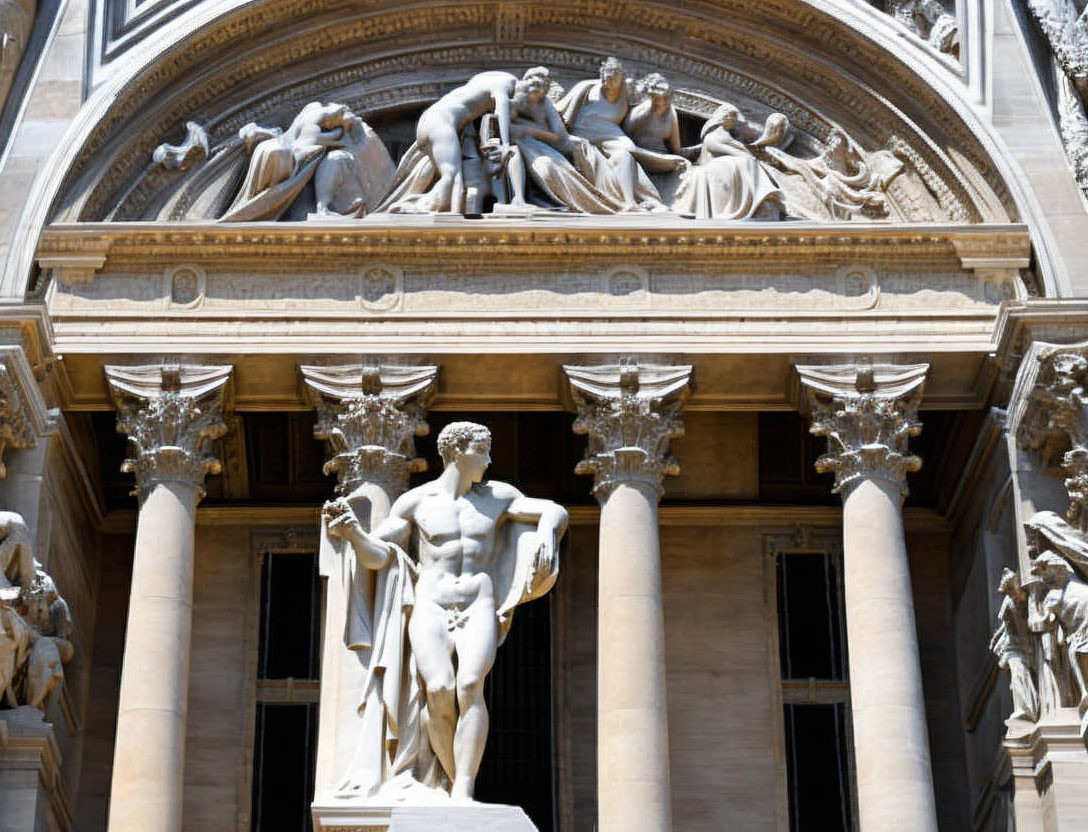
867 412
630 412
171 415
369 415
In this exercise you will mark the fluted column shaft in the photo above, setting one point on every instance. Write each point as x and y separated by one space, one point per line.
369 416
170 415
630 414
868 413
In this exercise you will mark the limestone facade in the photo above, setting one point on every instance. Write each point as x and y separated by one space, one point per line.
808 378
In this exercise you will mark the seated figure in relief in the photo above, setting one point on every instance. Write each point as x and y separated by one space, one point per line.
728 181
450 563
546 153
431 175
596 112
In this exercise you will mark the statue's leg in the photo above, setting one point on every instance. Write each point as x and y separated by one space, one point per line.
476 640
445 149
433 650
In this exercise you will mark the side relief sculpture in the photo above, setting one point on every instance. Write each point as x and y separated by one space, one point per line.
16 20
502 144
450 564
35 625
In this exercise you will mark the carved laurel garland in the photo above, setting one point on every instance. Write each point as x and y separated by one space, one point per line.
702 22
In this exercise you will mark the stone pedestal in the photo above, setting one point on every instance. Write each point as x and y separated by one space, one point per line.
867 414
32 797
452 818
1050 769
170 414
630 413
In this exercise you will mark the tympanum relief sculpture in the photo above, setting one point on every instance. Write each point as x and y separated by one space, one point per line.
434 593
35 625
523 146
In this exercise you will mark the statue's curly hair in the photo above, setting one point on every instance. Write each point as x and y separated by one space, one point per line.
457 437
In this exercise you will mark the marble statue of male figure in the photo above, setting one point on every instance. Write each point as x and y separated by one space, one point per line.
477 549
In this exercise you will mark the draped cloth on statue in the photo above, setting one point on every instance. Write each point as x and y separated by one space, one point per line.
412 181
605 139
394 762
563 182
726 187
276 175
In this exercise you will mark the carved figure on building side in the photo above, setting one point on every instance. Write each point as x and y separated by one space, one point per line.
35 623
931 20
451 562
16 21
1013 646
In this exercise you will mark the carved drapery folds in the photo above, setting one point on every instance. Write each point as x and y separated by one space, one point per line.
630 412
1066 32
868 412
171 415
369 415
1055 422
34 621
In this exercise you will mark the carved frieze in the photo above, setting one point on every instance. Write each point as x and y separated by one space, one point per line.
369 414
868 412
171 415
630 412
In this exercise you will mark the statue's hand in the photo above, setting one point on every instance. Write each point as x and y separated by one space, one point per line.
544 560
341 520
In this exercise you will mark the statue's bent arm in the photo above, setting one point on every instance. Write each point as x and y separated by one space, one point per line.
551 517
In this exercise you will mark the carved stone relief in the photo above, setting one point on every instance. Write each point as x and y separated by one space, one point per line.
525 146
34 621
16 20
934 21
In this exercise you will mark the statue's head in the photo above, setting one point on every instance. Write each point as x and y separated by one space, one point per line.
1052 569
468 445
534 85
725 117
612 75
657 87
1010 584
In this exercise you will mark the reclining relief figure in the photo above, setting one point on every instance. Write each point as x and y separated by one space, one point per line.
450 563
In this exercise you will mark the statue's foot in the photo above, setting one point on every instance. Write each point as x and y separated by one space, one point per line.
461 792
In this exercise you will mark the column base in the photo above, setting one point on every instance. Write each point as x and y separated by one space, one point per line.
452 818
32 795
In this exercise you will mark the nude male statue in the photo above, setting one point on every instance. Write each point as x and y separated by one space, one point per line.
469 575
438 131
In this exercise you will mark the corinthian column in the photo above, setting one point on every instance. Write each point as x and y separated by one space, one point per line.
867 414
630 412
369 416
171 414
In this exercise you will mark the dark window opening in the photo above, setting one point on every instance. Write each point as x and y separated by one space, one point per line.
518 764
809 617
283 767
818 768
290 617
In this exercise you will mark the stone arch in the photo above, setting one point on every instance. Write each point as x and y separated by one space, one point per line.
261 61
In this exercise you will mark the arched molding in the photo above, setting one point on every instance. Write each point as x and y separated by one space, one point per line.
213 65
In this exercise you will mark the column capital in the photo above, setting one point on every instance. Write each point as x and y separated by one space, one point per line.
867 412
24 418
369 414
171 414
630 412
1051 416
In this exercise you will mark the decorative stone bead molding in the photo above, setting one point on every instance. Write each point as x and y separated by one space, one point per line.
630 412
868 412
369 414
171 415
1051 417
24 418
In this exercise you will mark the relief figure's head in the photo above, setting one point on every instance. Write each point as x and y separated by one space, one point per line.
533 86
657 87
612 79
467 445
